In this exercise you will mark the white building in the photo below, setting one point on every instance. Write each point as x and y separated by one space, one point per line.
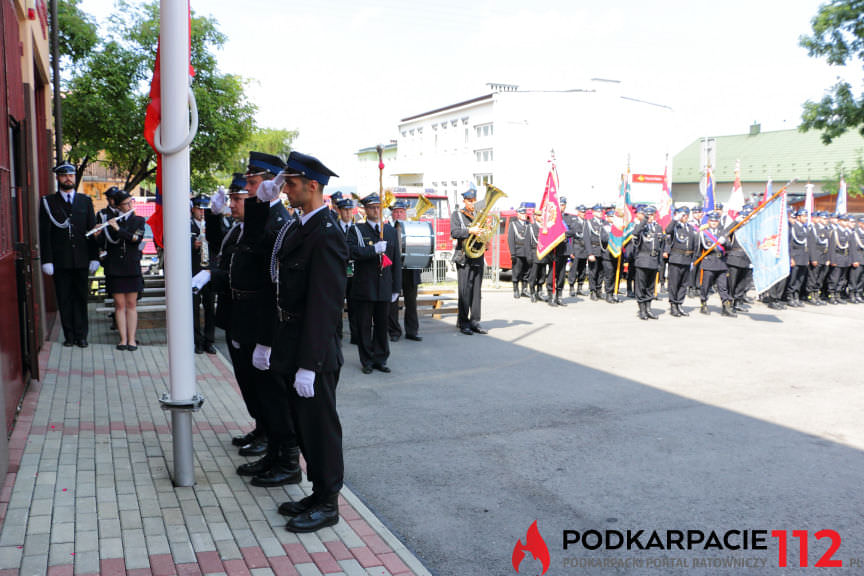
506 138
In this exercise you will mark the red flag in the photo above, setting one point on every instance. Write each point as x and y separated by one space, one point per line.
155 220
552 228
664 206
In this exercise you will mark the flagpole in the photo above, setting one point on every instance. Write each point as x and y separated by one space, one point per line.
746 219
380 150
618 274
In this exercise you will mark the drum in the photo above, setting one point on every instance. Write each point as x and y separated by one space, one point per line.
418 244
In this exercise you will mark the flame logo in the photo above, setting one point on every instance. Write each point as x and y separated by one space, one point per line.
534 544
769 242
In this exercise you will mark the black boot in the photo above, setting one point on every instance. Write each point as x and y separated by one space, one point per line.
560 302
551 301
681 311
258 447
291 508
648 312
533 295
256 467
774 304
704 308
728 310
541 296
572 291
594 295
673 310
516 290
579 291
610 298
832 298
524 292
642 315
324 512
245 439
285 470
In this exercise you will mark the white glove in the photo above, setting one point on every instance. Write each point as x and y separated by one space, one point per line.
261 357
200 280
235 344
721 240
94 266
217 202
304 383
394 297
380 246
48 268
269 190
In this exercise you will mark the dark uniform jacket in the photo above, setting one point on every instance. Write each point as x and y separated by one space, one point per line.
103 216
735 254
648 240
220 272
123 247
310 265
715 260
459 224
518 238
596 238
578 226
534 235
195 232
819 243
799 250
840 249
682 241
371 283
857 242
67 247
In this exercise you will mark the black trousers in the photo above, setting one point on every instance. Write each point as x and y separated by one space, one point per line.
206 299
718 277
521 269
557 274
409 300
609 270
816 278
372 324
693 277
256 387
318 430
677 282
856 279
739 281
594 278
70 287
352 314
470 280
577 270
837 279
646 278
797 279
537 275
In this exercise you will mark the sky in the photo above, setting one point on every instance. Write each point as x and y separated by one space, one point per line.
344 73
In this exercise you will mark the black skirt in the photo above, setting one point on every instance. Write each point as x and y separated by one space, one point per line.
124 284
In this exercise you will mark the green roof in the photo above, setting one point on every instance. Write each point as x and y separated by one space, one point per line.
780 155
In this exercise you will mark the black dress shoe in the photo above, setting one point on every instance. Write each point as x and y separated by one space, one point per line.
199 350
296 508
382 368
245 438
256 467
121 346
278 475
366 369
414 337
131 347
257 447
466 331
320 515
68 343
82 343
394 338
478 330
209 348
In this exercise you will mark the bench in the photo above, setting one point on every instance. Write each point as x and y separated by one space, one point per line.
434 301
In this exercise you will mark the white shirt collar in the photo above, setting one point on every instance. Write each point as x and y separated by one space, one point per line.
305 217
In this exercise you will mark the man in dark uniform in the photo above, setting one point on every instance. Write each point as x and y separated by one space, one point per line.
840 255
856 272
595 239
205 297
611 265
714 268
648 240
680 249
538 266
740 270
345 208
578 254
818 245
799 258
469 271
375 285
558 257
308 263
66 252
410 282
517 240
694 277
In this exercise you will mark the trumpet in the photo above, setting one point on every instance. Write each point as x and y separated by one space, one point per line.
475 244
423 205
107 223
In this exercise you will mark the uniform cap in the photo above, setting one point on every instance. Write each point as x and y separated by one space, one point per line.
260 163
371 200
308 167
64 168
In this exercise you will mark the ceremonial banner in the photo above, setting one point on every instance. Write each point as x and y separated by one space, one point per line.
765 238
622 221
736 197
708 193
664 206
841 197
549 218
155 220
808 203
768 192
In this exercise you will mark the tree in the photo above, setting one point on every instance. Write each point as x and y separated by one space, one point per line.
107 96
838 35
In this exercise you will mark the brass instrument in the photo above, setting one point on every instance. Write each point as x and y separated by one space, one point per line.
423 205
475 245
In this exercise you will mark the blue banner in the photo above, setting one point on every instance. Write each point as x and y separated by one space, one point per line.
765 238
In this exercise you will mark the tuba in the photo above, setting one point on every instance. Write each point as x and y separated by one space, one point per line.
475 245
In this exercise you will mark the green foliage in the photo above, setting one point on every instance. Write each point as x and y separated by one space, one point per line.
107 98
838 36
76 31
854 177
